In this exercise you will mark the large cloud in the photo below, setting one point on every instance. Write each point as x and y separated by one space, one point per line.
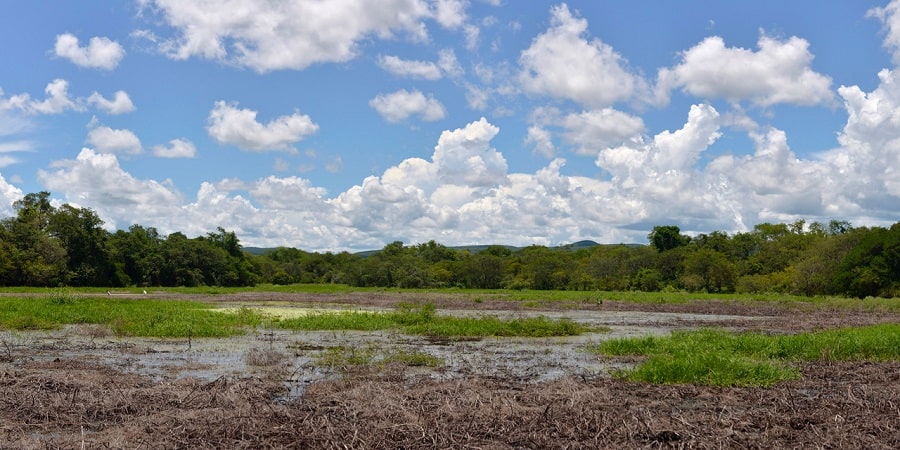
870 152
657 179
779 72
562 63
229 125
465 157
265 35
96 180
464 193
100 53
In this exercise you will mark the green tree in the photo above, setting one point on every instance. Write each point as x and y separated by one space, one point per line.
710 271
36 258
610 268
484 271
80 232
137 253
667 237
543 268
818 266
228 241
872 267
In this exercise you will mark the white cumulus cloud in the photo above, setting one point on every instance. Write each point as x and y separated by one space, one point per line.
120 104
450 13
889 16
229 125
100 53
425 70
869 156
562 63
588 131
400 105
177 148
779 72
8 195
265 35
108 140
56 102
465 157
465 194
97 180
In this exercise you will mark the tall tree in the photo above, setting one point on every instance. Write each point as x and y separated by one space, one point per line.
80 232
667 237
38 259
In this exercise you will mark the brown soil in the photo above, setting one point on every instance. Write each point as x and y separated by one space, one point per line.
83 403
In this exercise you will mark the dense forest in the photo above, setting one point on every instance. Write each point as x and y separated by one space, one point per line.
45 245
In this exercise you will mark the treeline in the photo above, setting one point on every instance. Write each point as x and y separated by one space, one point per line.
47 246
67 246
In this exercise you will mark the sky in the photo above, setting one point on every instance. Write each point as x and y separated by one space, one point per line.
349 124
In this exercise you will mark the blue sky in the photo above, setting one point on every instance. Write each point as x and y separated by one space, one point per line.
346 125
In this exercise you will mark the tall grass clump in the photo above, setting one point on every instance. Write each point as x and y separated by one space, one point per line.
721 358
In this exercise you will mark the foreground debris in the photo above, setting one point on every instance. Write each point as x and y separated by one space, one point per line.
77 404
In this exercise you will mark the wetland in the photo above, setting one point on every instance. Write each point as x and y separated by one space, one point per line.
95 384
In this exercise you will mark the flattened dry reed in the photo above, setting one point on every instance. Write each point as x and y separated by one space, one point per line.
70 403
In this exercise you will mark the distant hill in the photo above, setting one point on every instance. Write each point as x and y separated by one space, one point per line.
579 245
473 249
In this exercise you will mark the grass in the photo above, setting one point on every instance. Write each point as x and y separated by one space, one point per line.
150 317
422 320
719 358
125 317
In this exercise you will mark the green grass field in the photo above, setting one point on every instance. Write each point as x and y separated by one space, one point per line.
177 318
125 317
720 358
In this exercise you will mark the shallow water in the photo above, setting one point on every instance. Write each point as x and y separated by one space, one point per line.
296 353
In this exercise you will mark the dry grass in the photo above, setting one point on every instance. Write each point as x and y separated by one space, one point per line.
71 404
264 357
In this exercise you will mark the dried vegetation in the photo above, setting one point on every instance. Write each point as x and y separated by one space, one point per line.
72 404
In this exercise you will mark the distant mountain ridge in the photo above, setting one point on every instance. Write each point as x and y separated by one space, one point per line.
575 246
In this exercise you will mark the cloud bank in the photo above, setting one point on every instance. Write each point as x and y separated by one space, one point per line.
585 105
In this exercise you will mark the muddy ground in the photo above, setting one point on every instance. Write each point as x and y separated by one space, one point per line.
82 387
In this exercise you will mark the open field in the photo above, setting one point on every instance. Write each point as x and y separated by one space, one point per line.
272 382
